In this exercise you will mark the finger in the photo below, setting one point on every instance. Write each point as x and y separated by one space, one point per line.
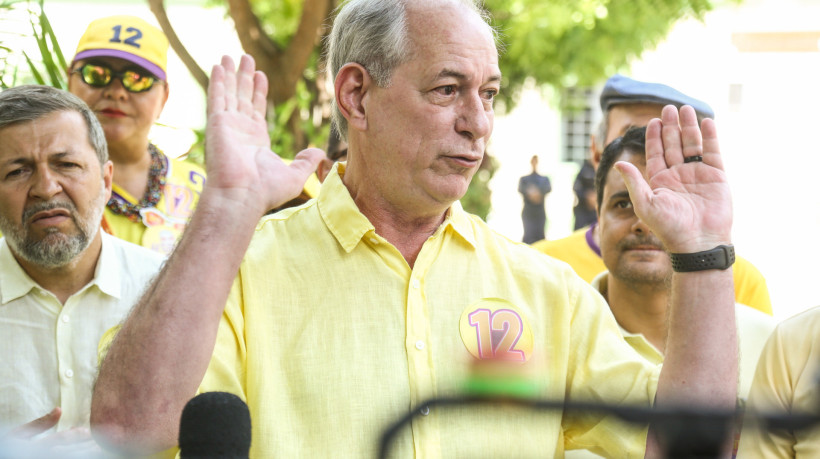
306 161
671 136
245 78
38 425
216 91
639 191
655 161
230 83
260 95
691 139
711 149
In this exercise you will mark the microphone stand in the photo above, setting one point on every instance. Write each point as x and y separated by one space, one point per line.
683 432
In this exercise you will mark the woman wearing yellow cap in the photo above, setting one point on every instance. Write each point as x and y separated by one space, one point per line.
119 71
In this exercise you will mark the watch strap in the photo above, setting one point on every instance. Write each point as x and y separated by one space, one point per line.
721 257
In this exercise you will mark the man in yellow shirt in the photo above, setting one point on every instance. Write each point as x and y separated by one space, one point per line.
626 103
352 310
785 382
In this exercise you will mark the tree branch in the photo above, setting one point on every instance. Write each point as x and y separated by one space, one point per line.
158 8
251 35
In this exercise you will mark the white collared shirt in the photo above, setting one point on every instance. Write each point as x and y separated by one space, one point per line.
48 351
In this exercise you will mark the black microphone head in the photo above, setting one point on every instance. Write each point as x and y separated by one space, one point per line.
215 424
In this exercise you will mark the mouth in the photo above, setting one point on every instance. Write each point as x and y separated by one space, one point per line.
112 112
465 161
50 217
645 248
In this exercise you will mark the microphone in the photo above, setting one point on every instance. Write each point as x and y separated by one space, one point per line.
215 425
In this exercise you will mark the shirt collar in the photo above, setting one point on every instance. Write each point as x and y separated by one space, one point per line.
636 340
107 275
348 225
15 283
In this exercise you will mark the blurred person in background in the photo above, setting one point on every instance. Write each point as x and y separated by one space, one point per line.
534 189
119 70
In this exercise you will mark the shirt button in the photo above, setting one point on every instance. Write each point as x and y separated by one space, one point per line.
425 410
69 373
419 344
64 319
375 241
415 283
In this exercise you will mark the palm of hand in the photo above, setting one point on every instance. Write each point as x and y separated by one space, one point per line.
689 202
240 165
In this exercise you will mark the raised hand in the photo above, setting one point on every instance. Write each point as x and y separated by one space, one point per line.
685 198
240 164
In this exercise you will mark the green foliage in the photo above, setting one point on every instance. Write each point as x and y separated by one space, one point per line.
48 65
580 43
477 199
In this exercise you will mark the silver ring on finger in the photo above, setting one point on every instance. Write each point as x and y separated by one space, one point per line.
693 159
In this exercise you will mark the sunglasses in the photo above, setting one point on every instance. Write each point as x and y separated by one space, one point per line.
100 76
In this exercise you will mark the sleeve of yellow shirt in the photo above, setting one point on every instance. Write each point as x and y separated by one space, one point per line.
604 368
750 286
785 382
227 368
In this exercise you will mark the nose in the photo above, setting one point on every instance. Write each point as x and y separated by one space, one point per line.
44 185
639 227
475 120
115 89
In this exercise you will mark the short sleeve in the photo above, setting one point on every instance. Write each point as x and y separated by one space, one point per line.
605 369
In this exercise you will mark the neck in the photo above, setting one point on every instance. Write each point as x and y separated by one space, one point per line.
131 166
66 280
405 227
640 308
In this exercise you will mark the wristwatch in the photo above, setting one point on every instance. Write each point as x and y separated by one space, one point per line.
721 257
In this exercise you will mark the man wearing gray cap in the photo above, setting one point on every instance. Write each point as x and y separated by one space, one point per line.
629 103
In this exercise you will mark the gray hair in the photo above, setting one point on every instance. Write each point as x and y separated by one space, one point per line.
373 34
31 102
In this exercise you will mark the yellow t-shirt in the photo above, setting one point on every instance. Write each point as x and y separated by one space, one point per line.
159 227
786 382
580 251
330 337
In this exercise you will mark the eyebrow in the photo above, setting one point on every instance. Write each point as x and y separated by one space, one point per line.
619 195
26 160
448 73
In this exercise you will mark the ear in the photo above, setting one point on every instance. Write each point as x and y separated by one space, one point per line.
325 165
108 178
351 86
165 95
594 154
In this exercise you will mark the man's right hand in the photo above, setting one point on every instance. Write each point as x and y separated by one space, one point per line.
75 442
241 167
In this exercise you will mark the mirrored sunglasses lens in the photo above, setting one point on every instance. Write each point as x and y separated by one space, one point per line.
136 82
96 75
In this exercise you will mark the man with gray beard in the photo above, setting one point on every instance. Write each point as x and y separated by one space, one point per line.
63 281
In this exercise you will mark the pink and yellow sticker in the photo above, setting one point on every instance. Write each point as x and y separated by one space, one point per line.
495 329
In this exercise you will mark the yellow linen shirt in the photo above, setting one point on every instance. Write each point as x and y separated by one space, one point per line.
750 285
786 382
330 336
